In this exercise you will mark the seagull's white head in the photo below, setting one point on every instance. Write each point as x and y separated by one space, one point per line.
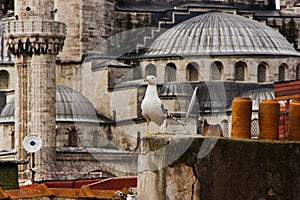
151 80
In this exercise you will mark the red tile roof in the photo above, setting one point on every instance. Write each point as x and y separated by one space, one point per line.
78 189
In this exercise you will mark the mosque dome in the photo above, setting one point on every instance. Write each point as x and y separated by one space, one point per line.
257 95
171 89
218 33
71 106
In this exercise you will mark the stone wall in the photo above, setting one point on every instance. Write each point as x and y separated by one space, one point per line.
72 163
72 49
181 167
228 64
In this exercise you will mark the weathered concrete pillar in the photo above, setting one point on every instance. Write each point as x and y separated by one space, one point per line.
35 39
154 174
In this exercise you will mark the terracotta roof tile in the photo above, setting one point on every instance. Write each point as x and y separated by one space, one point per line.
79 189
3 195
40 191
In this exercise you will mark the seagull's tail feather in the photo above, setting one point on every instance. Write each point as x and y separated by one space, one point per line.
177 120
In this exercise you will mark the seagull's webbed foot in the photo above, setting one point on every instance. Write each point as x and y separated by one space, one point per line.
148 134
158 131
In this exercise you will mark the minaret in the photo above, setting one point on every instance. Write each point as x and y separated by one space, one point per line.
35 39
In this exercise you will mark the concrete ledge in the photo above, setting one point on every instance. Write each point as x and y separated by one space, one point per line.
218 168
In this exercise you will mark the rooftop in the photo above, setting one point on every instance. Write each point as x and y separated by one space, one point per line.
71 106
79 189
217 33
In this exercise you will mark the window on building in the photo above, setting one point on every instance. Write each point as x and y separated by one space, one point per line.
225 128
96 139
261 73
5 56
216 69
4 79
170 72
240 71
73 137
137 73
192 72
298 72
200 127
150 70
12 139
282 72
254 128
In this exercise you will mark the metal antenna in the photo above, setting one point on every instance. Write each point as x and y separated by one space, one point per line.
189 110
191 106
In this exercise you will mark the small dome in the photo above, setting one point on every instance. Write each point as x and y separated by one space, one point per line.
71 106
171 89
217 33
257 95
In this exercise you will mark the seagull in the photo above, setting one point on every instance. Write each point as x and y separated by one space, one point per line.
152 107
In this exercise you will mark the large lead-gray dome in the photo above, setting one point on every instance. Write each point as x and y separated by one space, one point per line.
219 33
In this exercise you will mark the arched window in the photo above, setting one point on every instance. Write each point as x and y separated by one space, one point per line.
137 73
12 139
282 72
73 137
192 72
225 128
298 72
240 71
262 73
4 79
200 127
150 70
216 69
170 72
254 128
96 139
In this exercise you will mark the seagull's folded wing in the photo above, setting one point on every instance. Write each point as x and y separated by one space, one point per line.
158 113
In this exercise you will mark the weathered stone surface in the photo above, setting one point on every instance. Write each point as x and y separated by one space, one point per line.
223 168
179 187
9 174
35 40
250 170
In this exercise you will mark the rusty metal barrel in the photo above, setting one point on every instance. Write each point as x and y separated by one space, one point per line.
269 113
241 117
294 121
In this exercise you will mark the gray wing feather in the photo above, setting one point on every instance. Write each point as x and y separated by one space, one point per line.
164 110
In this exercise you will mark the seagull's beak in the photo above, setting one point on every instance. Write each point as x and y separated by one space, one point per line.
145 79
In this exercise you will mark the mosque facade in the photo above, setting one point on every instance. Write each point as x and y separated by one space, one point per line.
225 48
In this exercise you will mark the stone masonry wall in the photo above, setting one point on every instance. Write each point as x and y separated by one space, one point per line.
90 23
229 170
69 13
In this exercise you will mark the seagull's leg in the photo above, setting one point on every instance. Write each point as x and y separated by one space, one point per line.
158 131
147 132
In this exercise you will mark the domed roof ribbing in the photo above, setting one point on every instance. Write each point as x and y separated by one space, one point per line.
257 95
71 106
219 33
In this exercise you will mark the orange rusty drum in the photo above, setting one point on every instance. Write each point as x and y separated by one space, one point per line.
294 121
241 117
269 113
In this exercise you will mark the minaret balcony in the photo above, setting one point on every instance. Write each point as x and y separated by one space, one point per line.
34 37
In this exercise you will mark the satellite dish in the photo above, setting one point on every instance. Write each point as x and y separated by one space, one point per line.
32 143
